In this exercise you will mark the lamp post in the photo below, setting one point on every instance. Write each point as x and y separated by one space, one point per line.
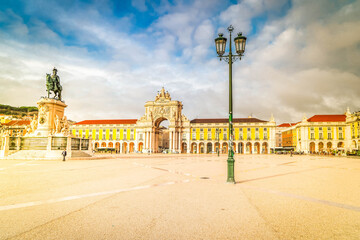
220 43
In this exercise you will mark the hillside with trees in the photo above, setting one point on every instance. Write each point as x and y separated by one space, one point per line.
18 111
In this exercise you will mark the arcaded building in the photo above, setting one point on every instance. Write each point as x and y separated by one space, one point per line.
251 135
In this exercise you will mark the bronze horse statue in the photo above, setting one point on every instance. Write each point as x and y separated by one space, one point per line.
53 85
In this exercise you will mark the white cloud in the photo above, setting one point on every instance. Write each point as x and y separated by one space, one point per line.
305 61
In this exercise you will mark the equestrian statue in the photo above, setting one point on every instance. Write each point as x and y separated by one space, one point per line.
53 84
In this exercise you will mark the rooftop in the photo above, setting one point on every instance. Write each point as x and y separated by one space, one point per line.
287 125
328 118
226 120
107 121
17 123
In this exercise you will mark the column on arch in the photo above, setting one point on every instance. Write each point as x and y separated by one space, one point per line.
174 140
170 141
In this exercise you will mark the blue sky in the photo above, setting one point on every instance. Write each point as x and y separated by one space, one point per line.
302 57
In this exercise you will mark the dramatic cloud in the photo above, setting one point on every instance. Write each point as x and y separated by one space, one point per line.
301 57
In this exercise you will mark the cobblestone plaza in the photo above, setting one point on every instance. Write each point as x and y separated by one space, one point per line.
180 196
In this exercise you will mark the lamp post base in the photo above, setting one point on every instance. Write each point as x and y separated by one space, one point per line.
230 163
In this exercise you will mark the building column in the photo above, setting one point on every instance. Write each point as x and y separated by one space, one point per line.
170 141
174 140
145 140
150 141
188 143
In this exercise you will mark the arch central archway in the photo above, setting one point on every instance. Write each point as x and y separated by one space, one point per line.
161 130
156 112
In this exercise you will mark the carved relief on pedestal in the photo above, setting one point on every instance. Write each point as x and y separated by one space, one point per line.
43 112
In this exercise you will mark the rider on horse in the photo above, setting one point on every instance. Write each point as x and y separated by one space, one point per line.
53 84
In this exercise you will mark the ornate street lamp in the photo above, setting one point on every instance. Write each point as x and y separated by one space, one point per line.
220 43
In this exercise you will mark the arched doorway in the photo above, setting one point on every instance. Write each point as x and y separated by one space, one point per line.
329 145
340 145
193 148
321 147
312 147
264 149
224 147
241 148
117 147
217 147
183 147
201 148
140 146
208 148
162 135
248 148
103 144
234 147
353 145
257 147
96 145
131 147
124 147
111 145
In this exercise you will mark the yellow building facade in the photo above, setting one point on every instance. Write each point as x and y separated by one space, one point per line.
251 135
326 133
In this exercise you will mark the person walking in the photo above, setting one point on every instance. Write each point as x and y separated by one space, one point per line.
64 155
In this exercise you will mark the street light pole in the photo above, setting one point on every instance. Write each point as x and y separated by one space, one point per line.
220 43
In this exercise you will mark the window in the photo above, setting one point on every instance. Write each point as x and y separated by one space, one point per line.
132 136
104 134
240 129
117 134
329 129
201 136
329 135
248 130
201 130
312 134
209 136
141 136
184 136
225 136
124 134
193 136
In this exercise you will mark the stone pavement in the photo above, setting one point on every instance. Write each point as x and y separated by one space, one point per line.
181 197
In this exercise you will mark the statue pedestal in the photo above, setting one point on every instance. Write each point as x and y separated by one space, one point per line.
48 110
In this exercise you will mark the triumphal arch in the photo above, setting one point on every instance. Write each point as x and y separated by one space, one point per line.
157 111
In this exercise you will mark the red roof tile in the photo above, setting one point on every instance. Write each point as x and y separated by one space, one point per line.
225 120
107 121
17 123
287 125
327 118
